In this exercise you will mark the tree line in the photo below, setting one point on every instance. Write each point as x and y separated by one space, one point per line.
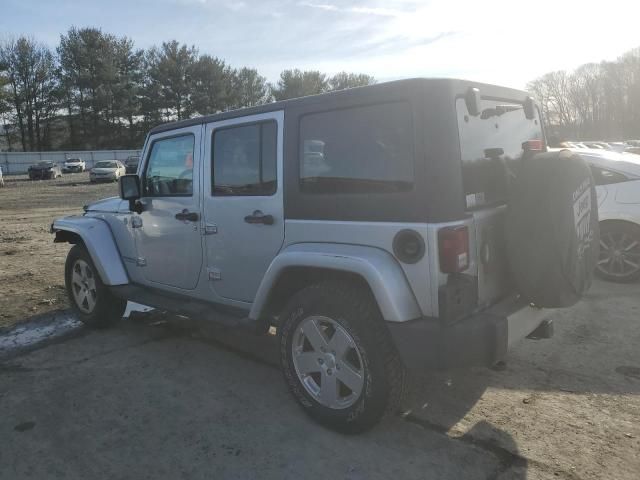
96 90
595 101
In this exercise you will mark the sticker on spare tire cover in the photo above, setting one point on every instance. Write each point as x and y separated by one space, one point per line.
582 216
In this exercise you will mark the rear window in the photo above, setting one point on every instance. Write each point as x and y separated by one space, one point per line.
365 149
490 144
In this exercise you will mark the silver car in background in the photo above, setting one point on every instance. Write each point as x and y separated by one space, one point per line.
107 171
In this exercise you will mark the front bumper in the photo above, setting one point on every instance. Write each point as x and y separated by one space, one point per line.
40 174
480 340
102 178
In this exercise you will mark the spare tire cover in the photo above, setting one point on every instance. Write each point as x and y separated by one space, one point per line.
553 234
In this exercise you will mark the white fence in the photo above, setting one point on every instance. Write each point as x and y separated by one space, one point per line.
18 162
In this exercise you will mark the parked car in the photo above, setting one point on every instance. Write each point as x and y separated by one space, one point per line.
617 177
107 171
44 170
73 165
390 248
131 163
634 150
596 146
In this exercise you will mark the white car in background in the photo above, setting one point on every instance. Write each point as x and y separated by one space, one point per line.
107 171
617 177
73 165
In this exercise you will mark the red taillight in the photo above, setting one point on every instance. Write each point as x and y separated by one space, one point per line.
453 244
533 146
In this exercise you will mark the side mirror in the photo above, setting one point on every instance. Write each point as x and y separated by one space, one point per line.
473 101
130 190
529 108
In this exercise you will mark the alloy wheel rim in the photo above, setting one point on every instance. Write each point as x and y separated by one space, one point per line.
327 362
83 285
619 254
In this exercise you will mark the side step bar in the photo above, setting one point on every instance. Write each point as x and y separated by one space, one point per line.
222 315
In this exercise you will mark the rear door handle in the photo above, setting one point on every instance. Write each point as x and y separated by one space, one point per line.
188 216
259 217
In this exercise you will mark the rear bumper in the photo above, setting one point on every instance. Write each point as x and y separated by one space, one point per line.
480 340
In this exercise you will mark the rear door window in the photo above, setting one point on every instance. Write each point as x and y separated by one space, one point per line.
490 145
244 160
367 149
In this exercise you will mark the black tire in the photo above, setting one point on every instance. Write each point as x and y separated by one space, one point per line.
351 307
625 238
107 309
552 229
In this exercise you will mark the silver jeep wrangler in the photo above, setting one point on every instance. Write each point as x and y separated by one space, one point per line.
411 224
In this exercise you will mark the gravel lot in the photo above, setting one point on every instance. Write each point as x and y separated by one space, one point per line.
158 398
31 265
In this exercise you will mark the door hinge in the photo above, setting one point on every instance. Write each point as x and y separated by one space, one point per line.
141 262
210 228
214 274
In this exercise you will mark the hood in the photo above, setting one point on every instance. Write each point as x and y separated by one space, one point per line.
73 162
111 204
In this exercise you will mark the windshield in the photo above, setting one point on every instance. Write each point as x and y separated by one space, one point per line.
45 164
490 144
106 165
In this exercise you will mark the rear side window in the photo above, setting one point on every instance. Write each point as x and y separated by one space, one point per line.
244 160
357 150
490 144
603 176
169 169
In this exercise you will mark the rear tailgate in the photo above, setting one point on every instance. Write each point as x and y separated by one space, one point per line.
491 145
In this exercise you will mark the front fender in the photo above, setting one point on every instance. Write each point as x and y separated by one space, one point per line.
98 239
377 267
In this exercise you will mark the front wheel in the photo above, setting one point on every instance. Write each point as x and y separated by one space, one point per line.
92 301
337 357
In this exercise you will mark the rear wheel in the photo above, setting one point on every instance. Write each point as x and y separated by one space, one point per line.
337 357
90 298
619 252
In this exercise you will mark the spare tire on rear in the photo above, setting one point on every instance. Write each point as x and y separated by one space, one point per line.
552 228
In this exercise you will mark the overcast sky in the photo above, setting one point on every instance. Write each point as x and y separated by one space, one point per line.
500 41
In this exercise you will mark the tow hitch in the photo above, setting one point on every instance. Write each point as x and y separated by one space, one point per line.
545 330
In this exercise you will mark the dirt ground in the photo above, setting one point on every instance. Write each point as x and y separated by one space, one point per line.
149 400
31 265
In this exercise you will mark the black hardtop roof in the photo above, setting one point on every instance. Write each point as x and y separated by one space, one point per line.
437 86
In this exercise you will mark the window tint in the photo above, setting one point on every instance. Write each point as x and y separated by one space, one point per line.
606 177
244 160
170 167
357 150
489 145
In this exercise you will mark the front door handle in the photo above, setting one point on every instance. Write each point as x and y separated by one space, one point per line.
259 217
186 215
